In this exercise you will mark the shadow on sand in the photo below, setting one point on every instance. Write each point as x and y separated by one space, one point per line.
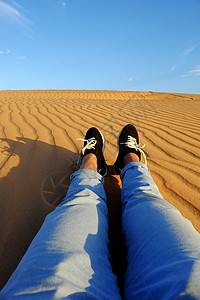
34 179
30 182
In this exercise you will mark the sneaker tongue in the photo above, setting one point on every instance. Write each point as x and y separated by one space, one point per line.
127 150
88 151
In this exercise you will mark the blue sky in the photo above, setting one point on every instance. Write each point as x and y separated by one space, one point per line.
149 45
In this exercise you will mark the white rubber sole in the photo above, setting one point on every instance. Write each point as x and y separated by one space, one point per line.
103 146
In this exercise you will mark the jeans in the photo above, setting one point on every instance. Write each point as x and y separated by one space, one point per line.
69 257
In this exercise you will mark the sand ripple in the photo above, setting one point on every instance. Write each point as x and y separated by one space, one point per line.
38 151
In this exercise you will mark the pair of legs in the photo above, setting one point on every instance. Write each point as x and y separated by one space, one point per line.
69 257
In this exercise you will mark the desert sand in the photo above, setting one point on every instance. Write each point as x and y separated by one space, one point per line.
38 153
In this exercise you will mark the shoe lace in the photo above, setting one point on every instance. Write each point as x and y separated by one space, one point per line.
90 144
132 143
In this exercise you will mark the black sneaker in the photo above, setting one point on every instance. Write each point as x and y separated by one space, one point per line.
94 143
128 142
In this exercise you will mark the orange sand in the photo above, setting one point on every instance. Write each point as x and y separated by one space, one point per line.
38 152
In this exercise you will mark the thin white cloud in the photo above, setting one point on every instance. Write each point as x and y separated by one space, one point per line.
130 79
6 51
12 14
21 57
193 72
63 4
17 5
189 50
173 68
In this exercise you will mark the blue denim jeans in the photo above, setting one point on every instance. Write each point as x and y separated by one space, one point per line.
69 257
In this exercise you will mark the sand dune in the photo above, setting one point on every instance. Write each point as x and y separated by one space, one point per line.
38 152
